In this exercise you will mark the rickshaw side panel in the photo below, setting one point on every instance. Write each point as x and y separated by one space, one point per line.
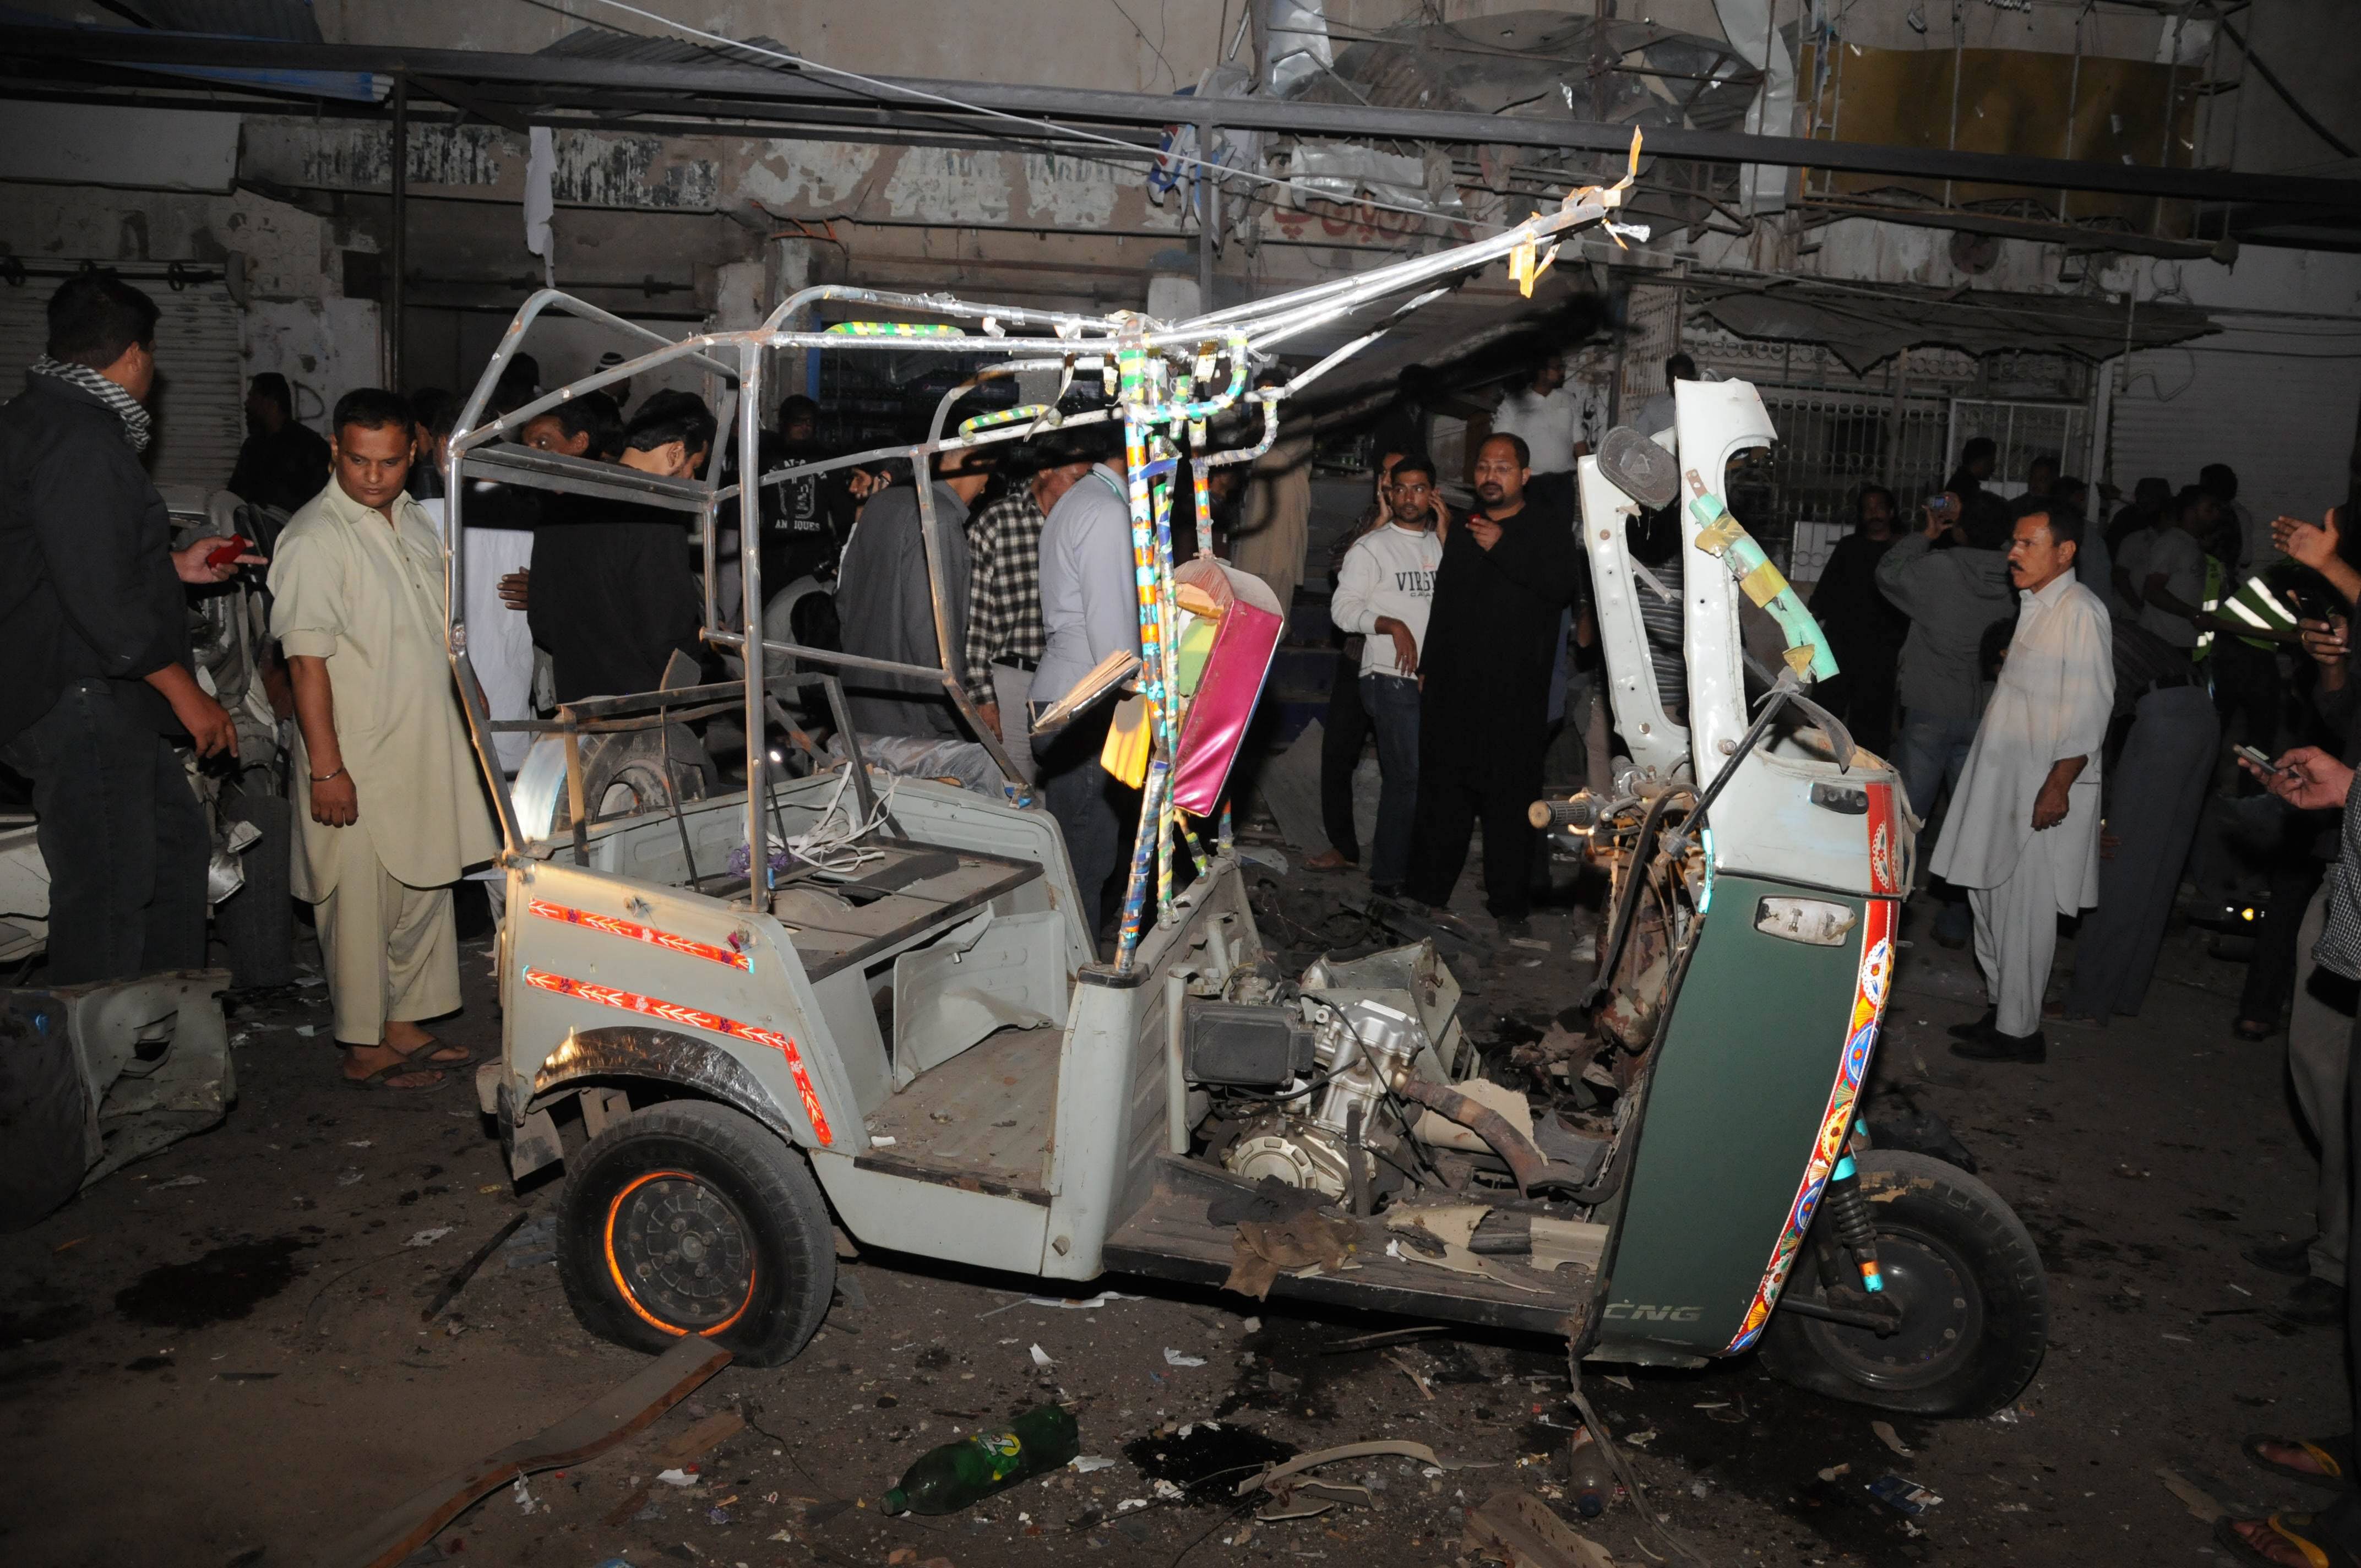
1738 1104
584 953
1115 1087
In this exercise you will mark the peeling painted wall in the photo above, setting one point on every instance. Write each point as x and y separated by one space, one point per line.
942 186
632 172
287 251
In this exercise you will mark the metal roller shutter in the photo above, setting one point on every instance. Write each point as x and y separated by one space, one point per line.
2278 403
200 400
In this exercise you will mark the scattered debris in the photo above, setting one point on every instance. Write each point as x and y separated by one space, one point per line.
428 1237
2201 1503
1083 1464
1521 1529
1083 1304
1292 1498
1041 1358
678 1458
1833 1471
1418 1378
467 1271
179 1181
1261 1250
1891 1439
1902 1495
1364 1341
1175 1358
525 1500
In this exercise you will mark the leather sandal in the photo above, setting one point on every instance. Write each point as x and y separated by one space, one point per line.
2332 1454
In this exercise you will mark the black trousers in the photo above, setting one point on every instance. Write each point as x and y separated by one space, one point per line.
1493 779
1343 734
123 836
2246 694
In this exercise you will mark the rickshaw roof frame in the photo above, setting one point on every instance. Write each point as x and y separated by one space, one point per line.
1246 334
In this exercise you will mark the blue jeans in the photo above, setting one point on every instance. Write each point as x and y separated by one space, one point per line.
1391 703
123 836
1932 752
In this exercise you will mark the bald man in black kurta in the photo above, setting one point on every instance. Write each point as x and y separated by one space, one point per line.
1491 643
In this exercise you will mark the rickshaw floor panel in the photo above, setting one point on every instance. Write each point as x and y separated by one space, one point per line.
1169 1238
981 1121
920 888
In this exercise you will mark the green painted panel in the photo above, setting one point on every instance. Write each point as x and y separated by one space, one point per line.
1757 1034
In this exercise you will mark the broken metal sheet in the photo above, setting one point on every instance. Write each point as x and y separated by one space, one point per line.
1451 1225
1868 325
1268 1479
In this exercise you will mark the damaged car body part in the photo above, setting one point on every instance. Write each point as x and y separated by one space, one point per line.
864 998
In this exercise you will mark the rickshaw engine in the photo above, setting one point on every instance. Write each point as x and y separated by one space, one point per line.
1360 1049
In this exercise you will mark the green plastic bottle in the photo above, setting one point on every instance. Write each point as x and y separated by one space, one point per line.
960 1474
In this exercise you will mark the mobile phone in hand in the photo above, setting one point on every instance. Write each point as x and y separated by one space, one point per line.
2260 757
228 550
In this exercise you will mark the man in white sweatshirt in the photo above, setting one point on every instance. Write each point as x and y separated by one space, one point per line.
1383 591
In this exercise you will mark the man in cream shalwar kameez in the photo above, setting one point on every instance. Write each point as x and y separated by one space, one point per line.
2022 836
391 806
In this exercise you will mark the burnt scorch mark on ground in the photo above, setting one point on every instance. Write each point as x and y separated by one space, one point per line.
225 1283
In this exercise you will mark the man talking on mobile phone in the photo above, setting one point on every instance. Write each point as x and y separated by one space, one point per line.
97 641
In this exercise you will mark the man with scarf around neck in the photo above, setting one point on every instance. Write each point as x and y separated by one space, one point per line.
93 629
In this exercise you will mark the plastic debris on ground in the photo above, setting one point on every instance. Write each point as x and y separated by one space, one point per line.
1294 1493
1891 1439
1902 1495
1083 1464
428 1237
1042 1358
1175 1358
678 1477
1521 1529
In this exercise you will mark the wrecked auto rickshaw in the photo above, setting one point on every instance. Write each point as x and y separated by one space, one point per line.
743 1016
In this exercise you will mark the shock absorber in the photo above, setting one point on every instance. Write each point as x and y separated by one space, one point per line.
1847 1212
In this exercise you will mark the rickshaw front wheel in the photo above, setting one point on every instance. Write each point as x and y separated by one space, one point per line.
691 1218
1975 1302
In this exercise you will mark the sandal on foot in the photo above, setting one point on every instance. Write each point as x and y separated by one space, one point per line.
2302 1531
422 1055
2332 1454
1330 860
381 1081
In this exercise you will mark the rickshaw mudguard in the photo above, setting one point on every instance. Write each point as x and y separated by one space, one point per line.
1750 1102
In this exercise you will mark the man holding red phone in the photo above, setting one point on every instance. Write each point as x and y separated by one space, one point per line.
97 634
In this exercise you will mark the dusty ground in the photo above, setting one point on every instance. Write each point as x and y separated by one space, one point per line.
215 1357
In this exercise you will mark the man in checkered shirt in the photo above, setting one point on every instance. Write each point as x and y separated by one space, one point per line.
1004 634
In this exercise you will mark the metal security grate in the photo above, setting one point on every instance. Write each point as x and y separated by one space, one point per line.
2024 431
1831 445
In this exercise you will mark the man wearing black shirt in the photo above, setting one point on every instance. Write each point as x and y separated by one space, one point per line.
805 520
610 593
1977 460
93 630
283 463
1491 642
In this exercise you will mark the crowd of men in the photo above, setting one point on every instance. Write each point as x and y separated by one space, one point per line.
2052 684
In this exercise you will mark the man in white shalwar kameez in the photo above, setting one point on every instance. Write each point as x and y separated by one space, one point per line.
392 806
2022 836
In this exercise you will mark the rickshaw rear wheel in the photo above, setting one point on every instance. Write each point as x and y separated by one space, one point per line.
1975 1302
691 1218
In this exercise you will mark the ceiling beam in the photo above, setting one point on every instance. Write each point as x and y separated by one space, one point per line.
786 88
